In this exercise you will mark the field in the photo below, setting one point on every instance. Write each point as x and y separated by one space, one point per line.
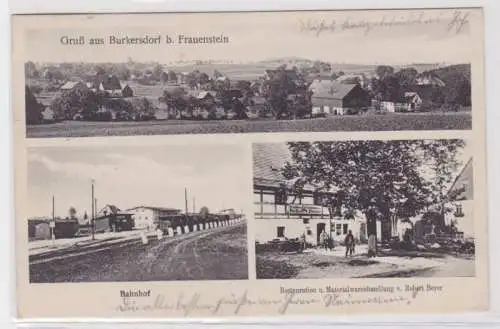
388 122
252 71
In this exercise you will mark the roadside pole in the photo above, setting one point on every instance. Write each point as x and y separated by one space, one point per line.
53 224
93 212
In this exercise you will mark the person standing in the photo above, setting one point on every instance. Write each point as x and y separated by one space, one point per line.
349 244
324 240
372 245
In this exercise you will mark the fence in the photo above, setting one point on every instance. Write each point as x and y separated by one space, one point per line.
182 224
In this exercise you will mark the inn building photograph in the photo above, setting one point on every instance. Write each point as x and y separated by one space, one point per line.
281 214
136 213
363 209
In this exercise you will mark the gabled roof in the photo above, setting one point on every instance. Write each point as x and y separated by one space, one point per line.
70 85
429 79
462 187
333 90
350 77
411 95
292 74
124 85
204 93
156 208
114 209
258 100
107 82
268 160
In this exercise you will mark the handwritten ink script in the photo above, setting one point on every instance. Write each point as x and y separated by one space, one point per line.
289 298
455 23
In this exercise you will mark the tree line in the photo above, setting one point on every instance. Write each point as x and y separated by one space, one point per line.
391 85
85 104
380 178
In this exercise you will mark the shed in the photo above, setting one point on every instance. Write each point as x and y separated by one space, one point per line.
412 101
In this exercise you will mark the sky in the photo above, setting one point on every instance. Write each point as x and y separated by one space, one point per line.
128 176
410 36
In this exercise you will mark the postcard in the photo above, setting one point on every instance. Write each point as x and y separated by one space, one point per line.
249 164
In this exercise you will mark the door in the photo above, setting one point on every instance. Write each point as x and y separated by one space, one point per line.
362 232
320 227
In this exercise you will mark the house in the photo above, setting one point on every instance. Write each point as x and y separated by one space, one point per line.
318 85
162 113
112 218
73 85
145 217
39 229
231 212
111 85
206 95
387 107
257 87
339 99
412 101
429 79
257 106
272 74
461 200
48 115
283 213
126 91
90 86
319 78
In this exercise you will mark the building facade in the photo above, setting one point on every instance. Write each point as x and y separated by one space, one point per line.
113 219
145 217
282 213
461 197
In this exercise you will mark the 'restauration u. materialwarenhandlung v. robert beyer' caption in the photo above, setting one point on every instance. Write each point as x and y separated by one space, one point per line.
329 296
147 39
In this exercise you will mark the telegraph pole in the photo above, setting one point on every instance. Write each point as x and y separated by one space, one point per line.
186 199
93 211
53 223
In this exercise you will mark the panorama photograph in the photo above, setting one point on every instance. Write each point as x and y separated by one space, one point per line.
390 78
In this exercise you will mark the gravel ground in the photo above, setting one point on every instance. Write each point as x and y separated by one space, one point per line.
217 254
273 265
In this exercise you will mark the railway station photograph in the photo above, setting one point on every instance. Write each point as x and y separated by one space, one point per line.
136 213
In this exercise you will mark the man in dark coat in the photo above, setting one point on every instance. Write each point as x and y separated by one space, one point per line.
349 244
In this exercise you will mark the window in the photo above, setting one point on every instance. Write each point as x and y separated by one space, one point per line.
346 226
305 221
280 197
459 212
281 232
318 199
268 198
338 228
309 232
